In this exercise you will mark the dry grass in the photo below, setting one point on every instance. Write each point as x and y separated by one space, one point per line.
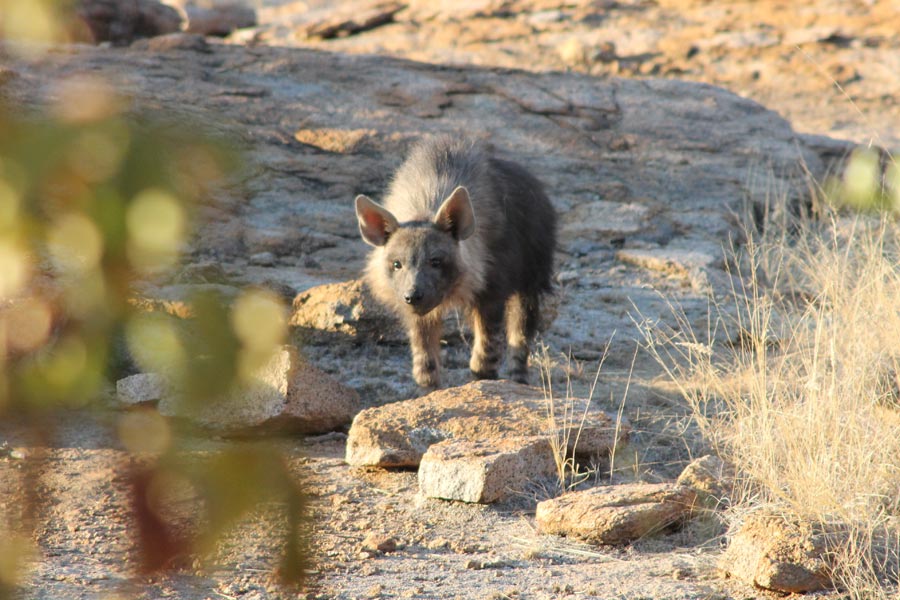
804 400
567 413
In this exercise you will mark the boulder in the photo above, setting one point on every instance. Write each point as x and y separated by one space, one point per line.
780 553
285 393
316 402
254 402
484 471
712 479
399 434
123 21
616 514
346 308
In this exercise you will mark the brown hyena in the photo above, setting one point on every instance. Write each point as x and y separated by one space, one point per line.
460 228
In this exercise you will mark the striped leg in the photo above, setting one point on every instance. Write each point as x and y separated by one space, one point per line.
488 348
425 343
521 324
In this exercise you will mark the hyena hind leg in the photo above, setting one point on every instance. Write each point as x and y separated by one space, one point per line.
522 317
425 343
487 351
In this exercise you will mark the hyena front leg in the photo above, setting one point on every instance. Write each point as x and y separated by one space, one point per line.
522 315
488 347
425 343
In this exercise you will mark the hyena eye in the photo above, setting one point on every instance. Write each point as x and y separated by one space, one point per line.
436 262
396 265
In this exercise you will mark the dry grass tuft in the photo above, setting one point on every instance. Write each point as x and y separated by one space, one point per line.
804 400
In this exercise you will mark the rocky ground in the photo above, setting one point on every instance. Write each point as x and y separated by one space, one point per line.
828 66
648 174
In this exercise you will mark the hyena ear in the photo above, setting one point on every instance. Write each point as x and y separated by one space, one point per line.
455 215
376 224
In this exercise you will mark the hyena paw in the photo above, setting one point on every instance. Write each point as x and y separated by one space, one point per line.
519 376
427 379
485 373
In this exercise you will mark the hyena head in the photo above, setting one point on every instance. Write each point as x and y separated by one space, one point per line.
419 259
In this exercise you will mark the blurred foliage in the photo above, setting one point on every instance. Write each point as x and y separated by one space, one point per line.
34 23
870 182
91 201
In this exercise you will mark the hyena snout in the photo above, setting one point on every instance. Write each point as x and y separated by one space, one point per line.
413 297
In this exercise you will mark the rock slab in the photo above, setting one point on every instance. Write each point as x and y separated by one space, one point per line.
618 514
484 472
399 434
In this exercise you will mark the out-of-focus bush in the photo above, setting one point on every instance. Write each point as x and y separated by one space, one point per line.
92 200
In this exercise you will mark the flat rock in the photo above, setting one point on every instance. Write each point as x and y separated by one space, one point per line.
353 20
603 219
674 261
778 553
218 20
616 514
399 434
484 471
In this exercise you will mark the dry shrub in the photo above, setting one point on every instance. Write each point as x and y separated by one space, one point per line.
803 400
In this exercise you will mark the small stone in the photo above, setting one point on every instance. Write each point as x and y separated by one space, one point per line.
379 542
262 259
438 543
341 141
142 387
573 52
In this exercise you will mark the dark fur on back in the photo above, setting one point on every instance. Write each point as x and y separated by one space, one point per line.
499 269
